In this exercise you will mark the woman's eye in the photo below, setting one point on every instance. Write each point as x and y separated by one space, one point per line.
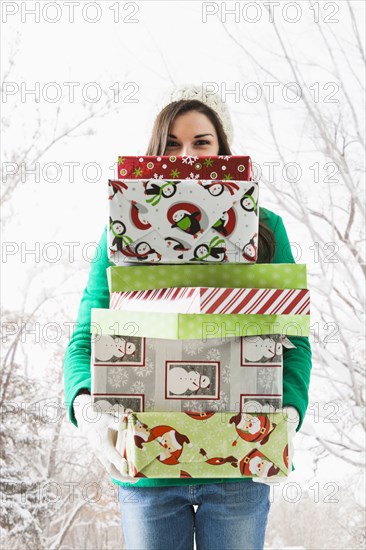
199 143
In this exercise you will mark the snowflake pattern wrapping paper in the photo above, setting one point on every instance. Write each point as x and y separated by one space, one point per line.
177 220
221 167
204 445
142 374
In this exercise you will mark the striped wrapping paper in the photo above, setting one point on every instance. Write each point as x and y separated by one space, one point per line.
255 301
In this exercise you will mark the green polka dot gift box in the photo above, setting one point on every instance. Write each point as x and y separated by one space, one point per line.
280 276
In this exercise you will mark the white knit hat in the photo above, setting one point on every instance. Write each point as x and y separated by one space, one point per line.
213 100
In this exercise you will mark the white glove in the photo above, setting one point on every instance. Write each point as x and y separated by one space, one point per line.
292 423
100 429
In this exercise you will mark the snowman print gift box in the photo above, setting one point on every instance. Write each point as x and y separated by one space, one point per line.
149 374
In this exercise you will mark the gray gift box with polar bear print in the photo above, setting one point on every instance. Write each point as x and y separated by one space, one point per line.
148 374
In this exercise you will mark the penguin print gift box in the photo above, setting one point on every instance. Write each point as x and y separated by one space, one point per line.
147 374
183 220
204 445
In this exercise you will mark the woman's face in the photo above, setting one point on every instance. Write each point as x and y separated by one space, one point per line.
192 134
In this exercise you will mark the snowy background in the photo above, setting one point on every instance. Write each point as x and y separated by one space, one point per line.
298 111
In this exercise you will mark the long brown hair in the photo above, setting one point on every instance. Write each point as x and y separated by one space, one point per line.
157 146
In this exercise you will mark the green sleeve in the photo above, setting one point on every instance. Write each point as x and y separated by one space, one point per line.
297 362
76 363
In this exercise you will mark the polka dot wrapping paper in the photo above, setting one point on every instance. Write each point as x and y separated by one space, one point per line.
185 326
280 276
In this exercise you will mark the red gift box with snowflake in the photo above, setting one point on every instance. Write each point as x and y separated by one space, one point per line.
220 167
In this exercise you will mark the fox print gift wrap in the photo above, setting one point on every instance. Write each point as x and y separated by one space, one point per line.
183 220
204 445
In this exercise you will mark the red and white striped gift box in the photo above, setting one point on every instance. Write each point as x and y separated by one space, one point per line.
255 301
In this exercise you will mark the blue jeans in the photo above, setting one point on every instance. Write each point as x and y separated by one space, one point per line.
229 516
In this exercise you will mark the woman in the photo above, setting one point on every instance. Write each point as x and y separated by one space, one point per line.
159 513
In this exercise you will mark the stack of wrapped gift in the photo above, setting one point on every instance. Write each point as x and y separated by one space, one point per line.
193 361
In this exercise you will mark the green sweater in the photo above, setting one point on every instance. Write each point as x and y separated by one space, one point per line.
297 362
